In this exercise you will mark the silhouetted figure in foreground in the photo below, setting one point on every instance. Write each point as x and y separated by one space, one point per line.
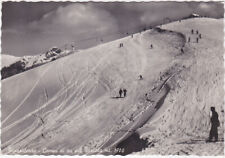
214 125
120 92
124 92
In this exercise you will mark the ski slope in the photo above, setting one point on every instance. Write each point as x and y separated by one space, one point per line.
184 124
72 103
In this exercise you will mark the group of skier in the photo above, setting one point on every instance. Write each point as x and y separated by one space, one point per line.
197 38
121 45
122 91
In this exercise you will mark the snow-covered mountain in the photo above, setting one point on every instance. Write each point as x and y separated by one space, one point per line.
7 60
72 106
14 65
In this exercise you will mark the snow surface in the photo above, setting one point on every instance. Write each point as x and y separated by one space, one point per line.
7 60
72 103
183 124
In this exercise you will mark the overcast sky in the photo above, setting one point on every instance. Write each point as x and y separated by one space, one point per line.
30 28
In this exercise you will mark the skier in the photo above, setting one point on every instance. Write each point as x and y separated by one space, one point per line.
151 46
120 92
146 96
189 39
192 31
214 125
124 92
197 40
200 36
197 32
140 77
182 51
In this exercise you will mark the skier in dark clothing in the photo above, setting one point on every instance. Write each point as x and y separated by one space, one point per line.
140 77
124 92
182 51
197 40
151 46
214 125
200 36
120 92
192 31
189 39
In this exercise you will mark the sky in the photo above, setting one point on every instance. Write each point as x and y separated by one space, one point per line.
30 28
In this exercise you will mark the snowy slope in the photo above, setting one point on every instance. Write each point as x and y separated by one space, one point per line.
7 60
183 125
72 103
76 96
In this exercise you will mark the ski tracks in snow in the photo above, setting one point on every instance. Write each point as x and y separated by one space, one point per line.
86 76
25 98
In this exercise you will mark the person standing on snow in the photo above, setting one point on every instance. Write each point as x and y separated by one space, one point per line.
214 125
197 40
182 51
151 46
124 92
120 92
140 77
189 39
